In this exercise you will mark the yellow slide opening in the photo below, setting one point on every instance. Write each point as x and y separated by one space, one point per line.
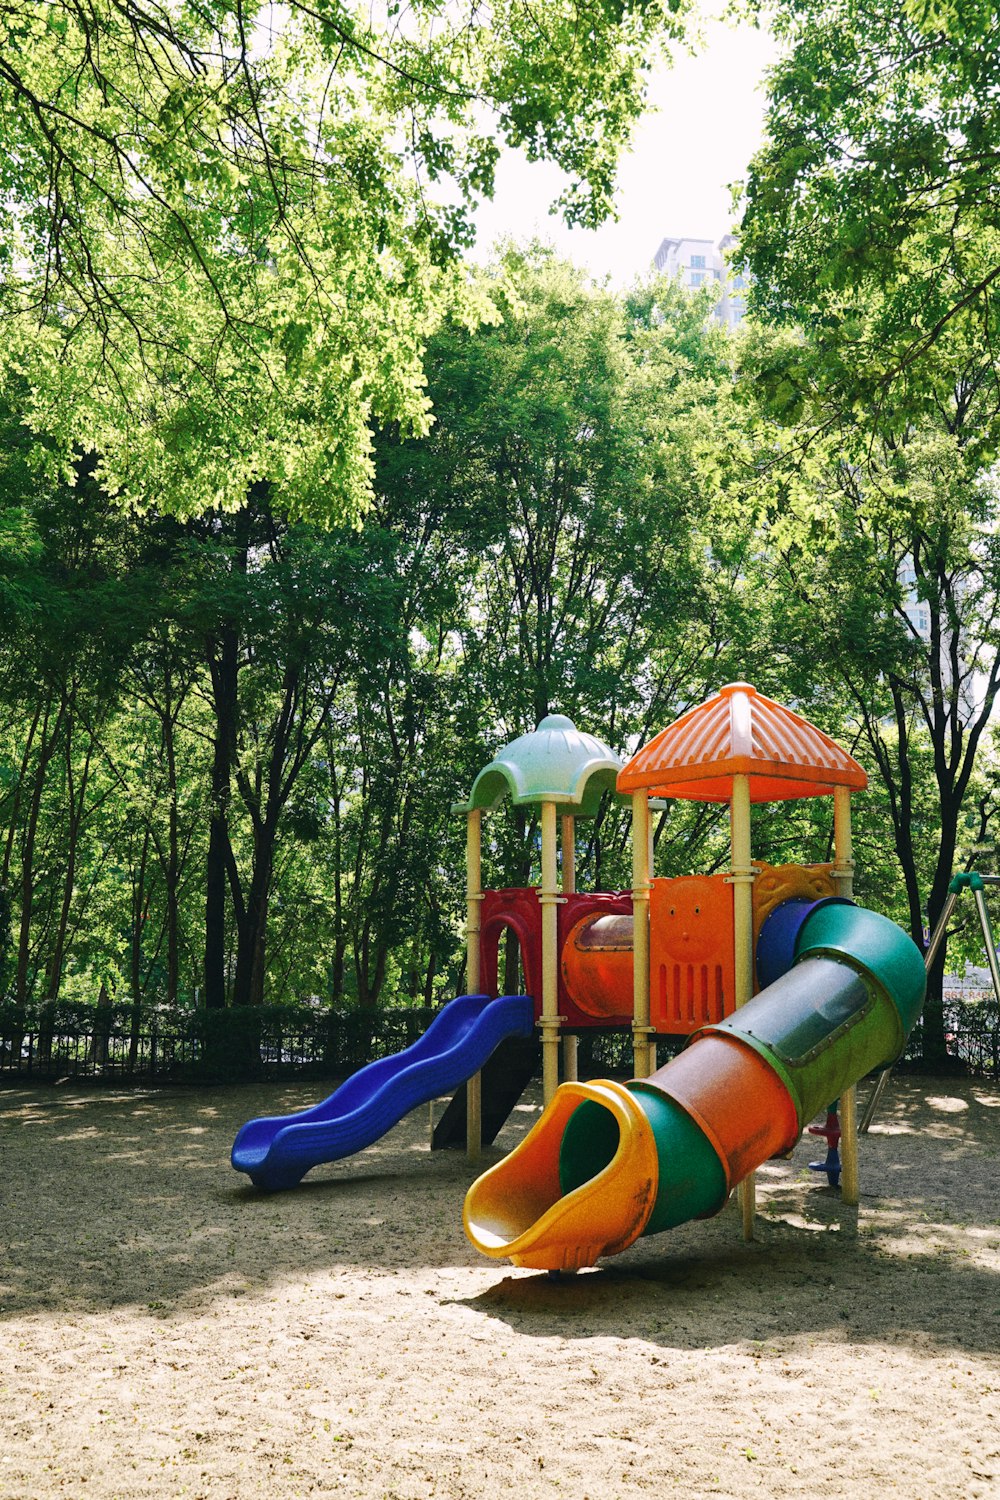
517 1210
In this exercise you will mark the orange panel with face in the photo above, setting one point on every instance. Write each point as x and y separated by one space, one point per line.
690 952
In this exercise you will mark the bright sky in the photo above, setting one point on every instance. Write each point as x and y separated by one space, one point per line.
676 181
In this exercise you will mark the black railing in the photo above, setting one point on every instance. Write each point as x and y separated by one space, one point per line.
115 1044
971 1036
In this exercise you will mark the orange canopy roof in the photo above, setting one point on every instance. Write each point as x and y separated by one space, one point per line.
740 732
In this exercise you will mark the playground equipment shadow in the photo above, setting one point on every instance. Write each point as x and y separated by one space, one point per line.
126 1200
783 1288
165 1330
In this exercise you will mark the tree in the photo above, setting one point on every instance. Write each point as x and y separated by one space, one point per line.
223 249
67 629
281 612
870 215
565 491
884 563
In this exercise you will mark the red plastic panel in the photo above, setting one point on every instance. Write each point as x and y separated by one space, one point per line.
518 908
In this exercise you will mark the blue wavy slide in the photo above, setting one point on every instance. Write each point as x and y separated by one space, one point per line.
277 1151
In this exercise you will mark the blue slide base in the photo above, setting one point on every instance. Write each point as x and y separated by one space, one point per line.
277 1151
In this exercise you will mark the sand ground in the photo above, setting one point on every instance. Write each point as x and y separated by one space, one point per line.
166 1331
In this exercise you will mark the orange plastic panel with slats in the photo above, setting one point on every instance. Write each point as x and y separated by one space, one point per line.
691 960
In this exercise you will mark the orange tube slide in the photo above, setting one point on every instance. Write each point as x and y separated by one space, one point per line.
722 1111
738 1100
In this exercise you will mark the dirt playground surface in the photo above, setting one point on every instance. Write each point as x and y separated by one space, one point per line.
167 1331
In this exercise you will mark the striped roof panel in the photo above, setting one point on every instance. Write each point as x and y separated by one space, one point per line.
740 732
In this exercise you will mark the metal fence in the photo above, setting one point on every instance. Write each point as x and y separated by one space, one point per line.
118 1044
972 1036
209 1046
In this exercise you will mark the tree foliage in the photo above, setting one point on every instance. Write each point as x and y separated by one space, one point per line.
230 744
577 456
870 215
886 555
223 247
229 754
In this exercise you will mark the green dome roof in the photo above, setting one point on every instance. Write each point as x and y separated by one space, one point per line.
554 763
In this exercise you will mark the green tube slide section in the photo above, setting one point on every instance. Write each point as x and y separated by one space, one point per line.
844 1009
875 945
691 1182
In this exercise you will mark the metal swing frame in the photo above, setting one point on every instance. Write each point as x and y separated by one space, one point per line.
967 880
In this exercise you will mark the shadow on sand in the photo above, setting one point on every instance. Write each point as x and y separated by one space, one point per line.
122 1199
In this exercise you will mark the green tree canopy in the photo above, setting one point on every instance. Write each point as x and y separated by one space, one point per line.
573 494
871 213
223 248
883 560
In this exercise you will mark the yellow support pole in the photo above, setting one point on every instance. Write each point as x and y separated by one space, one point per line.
843 850
843 878
641 1031
742 879
651 1060
474 896
570 1043
548 896
849 1180
568 855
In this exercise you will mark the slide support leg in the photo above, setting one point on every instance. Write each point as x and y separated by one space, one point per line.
746 1195
742 878
849 1181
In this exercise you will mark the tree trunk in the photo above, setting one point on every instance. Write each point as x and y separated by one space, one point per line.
224 669
248 986
511 962
138 924
429 977
15 810
102 1029
172 872
47 748
75 800
340 937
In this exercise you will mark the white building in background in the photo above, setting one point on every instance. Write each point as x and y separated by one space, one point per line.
699 263
918 613
917 610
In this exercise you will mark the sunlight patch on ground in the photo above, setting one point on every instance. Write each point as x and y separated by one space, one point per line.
169 1331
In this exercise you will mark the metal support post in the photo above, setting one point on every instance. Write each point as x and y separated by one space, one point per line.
742 878
548 897
849 1179
568 854
474 897
641 1030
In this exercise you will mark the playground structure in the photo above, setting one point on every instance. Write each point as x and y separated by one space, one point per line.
787 992
840 989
